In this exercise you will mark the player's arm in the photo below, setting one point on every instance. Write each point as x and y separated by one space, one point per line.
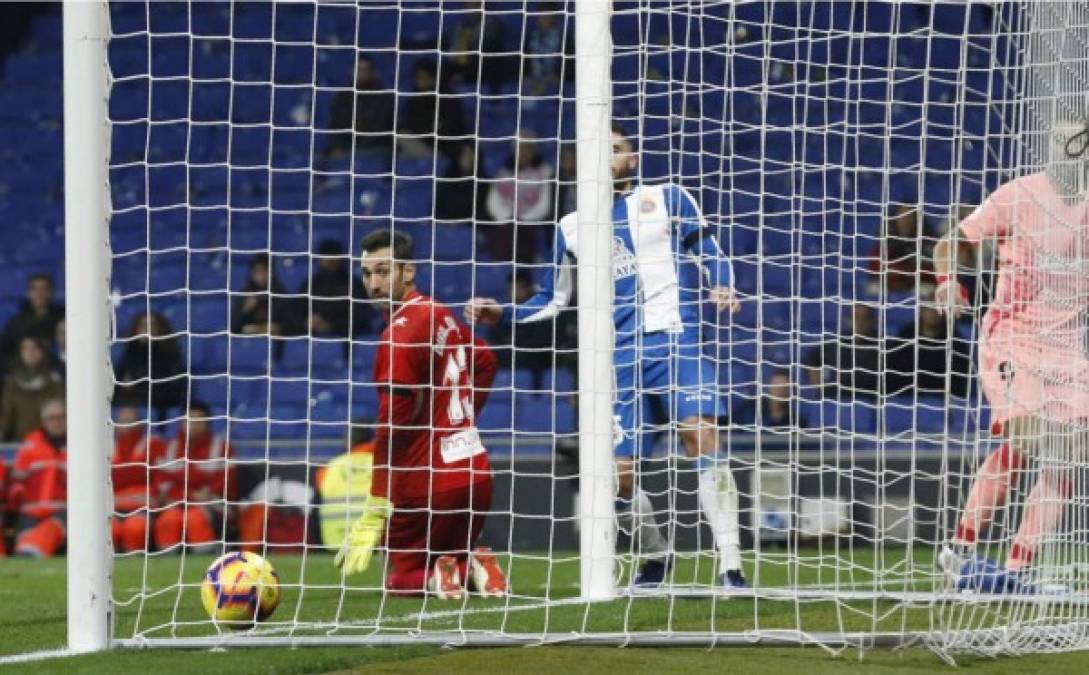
699 240
949 294
485 366
989 220
555 293
399 374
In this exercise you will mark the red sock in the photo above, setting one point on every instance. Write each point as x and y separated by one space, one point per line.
990 490
1044 510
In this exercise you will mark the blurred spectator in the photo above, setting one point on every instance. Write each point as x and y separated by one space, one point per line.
457 193
261 306
39 487
371 106
922 357
520 200
536 346
567 190
328 298
475 49
60 343
429 112
549 50
344 484
777 408
31 382
151 371
196 481
847 366
37 316
135 451
896 262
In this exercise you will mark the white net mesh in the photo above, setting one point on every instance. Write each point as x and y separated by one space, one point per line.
829 146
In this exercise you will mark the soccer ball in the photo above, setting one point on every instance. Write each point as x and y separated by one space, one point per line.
240 589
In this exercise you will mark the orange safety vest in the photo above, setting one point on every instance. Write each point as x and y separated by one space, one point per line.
40 476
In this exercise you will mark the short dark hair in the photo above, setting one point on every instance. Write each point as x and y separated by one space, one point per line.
260 259
619 129
400 242
197 404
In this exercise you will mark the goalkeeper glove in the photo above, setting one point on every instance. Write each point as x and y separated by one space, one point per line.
355 554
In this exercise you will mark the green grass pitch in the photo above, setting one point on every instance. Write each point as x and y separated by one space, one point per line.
32 618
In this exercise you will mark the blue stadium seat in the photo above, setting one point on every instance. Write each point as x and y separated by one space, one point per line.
279 430
208 355
249 430
364 410
497 415
249 355
458 242
292 392
329 359
212 391
559 380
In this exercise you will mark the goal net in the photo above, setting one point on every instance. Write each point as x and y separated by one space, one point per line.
827 147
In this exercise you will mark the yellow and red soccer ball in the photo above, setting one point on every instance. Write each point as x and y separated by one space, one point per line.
239 589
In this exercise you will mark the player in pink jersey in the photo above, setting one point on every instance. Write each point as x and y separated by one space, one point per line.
432 480
1033 367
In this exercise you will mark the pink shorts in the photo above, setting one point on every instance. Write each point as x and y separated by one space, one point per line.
1022 376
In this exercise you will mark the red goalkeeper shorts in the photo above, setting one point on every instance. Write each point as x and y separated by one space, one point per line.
421 530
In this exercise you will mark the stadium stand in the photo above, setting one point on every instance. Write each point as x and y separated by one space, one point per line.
186 196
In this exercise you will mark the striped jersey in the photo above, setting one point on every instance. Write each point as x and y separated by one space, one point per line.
664 254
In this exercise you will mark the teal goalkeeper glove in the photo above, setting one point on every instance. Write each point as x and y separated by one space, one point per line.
355 554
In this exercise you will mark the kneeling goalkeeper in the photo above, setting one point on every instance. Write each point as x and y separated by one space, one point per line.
432 480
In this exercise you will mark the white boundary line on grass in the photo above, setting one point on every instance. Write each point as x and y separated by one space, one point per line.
432 616
30 657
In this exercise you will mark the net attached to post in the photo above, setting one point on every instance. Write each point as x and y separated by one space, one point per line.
825 147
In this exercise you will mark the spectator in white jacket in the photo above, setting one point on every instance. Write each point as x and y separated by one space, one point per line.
520 199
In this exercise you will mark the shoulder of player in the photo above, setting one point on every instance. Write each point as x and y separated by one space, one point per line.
674 196
421 318
569 224
411 315
1016 189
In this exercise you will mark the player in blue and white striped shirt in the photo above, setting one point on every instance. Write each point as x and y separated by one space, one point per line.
665 257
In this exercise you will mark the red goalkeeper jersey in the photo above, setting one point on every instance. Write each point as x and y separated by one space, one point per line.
432 379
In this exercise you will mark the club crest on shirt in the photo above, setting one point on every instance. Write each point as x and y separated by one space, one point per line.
623 260
647 205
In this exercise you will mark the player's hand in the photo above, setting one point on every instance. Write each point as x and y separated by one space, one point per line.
485 311
358 548
725 298
951 296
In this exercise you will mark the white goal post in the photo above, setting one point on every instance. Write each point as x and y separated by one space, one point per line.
223 162
86 233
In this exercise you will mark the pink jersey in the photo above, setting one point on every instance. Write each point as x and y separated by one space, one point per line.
1043 260
1031 358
